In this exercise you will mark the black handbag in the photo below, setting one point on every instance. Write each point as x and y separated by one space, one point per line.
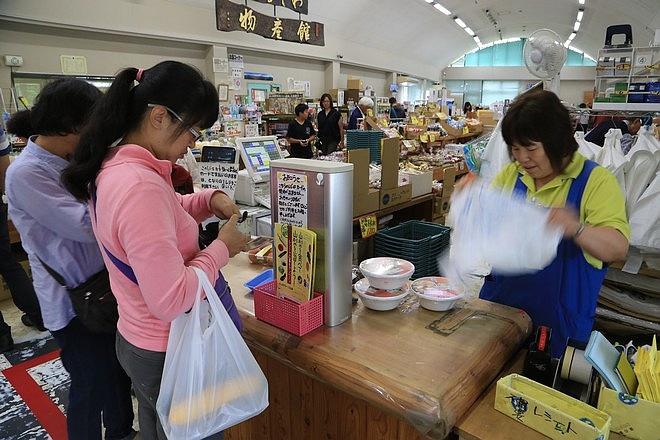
93 301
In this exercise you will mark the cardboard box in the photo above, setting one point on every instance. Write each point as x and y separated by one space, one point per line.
421 181
487 117
354 83
352 94
395 196
365 199
5 293
390 192
441 220
549 411
630 415
460 168
441 206
451 130
448 181
389 157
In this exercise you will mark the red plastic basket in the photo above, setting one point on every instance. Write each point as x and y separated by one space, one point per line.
288 315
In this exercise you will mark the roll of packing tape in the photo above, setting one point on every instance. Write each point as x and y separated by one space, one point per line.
575 367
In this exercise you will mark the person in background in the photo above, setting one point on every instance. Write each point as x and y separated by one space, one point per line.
627 126
189 164
360 112
145 122
468 112
331 126
397 112
301 133
585 201
583 118
56 228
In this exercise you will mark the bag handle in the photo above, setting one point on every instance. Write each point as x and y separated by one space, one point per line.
214 301
123 267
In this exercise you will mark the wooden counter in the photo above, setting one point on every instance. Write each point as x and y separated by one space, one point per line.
402 374
483 421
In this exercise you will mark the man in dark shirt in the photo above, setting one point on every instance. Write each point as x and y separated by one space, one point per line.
597 134
301 133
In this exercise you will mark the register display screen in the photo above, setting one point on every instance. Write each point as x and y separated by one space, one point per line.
260 154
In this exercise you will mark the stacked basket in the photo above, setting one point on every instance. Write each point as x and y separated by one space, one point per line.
418 242
365 139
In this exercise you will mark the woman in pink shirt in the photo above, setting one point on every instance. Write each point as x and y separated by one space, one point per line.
142 125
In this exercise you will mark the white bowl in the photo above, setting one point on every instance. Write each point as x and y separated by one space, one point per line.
437 293
387 273
379 299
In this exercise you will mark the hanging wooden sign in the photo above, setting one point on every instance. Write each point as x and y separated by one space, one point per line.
233 17
295 5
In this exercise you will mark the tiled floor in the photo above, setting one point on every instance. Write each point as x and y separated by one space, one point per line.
12 317
21 333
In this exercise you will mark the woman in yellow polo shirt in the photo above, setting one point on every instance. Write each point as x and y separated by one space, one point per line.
585 201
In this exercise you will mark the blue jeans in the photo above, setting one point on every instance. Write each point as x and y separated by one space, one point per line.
100 389
145 367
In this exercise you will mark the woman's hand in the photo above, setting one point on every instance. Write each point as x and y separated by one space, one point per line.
222 206
565 219
231 236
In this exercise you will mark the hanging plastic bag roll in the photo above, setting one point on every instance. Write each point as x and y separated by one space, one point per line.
210 379
505 232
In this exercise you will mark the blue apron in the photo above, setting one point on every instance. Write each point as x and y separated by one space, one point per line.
563 295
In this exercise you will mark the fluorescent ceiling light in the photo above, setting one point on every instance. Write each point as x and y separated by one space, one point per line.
469 31
576 26
476 40
459 22
441 8
581 2
567 43
570 37
428 1
580 15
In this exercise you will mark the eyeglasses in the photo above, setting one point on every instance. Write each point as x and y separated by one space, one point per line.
196 134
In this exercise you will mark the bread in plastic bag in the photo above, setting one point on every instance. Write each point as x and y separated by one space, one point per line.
210 379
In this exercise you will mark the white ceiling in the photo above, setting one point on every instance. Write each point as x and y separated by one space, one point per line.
417 29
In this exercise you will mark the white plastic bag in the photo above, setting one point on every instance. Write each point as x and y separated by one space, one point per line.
586 148
210 379
495 156
505 232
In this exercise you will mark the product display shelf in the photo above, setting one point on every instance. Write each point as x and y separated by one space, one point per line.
628 79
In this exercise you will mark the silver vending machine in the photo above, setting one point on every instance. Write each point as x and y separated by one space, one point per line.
318 195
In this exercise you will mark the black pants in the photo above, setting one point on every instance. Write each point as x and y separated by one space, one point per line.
19 284
100 389
328 145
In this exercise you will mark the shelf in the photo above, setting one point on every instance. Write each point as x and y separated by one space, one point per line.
629 72
631 106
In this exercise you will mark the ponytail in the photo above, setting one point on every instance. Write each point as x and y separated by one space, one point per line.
178 86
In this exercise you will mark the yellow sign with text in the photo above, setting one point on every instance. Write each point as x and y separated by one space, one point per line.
368 225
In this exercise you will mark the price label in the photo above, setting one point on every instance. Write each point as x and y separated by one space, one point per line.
368 225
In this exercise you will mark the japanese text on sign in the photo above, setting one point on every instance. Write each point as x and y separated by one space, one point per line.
368 226
235 17
222 176
292 198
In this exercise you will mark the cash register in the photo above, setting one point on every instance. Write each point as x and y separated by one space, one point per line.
253 186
